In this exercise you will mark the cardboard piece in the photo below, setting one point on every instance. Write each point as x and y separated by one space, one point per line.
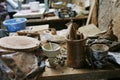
89 30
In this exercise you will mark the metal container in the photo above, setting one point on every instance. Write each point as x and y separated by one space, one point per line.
76 53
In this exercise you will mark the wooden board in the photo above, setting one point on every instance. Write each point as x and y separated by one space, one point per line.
66 73
19 43
89 30
55 18
39 28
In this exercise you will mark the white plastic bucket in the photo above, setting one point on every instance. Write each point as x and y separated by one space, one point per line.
34 6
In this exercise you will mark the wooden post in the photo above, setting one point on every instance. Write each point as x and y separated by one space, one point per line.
94 18
90 12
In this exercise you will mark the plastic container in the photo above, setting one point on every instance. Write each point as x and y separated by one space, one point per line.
16 24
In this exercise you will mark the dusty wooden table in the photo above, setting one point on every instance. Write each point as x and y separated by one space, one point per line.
58 23
55 18
66 73
37 18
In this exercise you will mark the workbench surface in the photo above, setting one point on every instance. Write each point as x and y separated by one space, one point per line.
66 73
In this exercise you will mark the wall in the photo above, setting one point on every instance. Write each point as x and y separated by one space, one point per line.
109 9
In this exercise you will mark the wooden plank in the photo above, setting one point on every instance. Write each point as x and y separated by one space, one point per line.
91 11
94 18
89 30
55 19
78 74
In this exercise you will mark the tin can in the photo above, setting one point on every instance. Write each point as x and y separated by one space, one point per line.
76 53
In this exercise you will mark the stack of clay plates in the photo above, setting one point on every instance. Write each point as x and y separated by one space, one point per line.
19 43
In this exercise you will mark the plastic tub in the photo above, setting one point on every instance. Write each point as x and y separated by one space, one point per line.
16 24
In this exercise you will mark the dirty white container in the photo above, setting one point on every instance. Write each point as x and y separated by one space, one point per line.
34 6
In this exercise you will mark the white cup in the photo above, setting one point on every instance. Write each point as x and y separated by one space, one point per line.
51 50
34 6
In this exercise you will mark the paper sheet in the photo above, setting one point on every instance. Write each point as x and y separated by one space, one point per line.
116 55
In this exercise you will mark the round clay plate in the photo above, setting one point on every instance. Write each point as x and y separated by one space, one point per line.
19 43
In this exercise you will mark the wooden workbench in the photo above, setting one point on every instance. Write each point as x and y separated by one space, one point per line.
66 73
56 22
55 18
38 18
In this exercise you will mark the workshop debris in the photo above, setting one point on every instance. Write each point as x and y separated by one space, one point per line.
25 62
51 35
29 34
7 72
66 13
109 35
114 58
53 31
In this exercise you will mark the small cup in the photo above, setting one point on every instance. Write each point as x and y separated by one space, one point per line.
51 50
99 51
99 54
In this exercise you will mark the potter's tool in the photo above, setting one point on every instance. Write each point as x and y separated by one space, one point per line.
51 46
